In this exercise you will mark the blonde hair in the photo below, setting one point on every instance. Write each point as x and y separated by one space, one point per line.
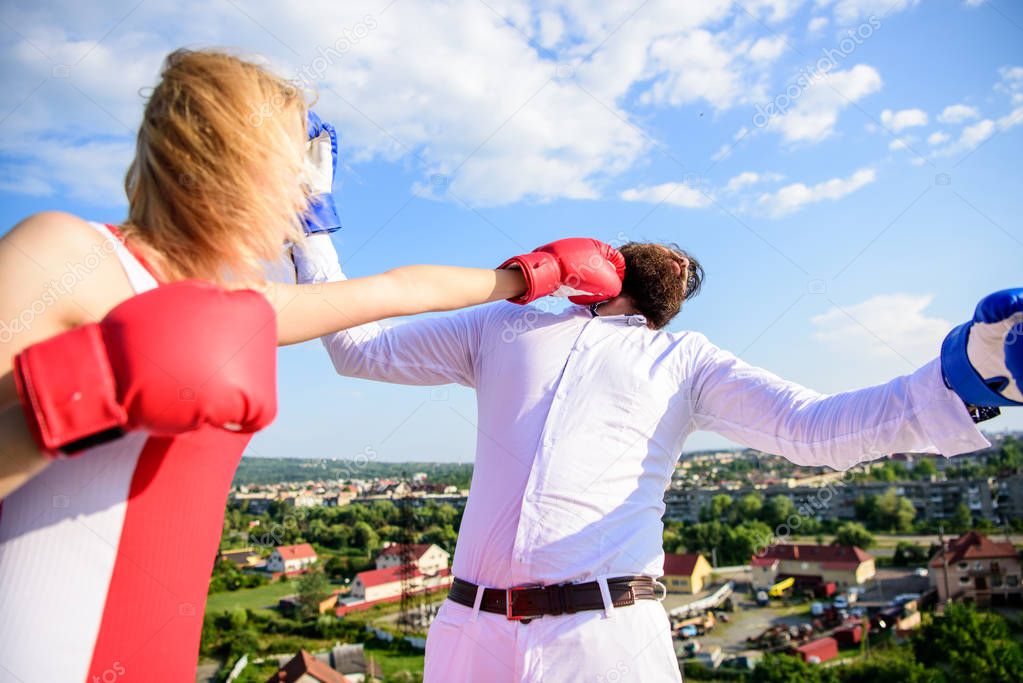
216 188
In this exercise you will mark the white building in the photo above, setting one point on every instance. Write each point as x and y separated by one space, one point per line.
429 558
385 584
291 559
304 499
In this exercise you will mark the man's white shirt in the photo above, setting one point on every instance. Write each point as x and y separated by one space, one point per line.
581 420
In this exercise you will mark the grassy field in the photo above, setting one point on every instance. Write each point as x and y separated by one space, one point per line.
392 662
261 597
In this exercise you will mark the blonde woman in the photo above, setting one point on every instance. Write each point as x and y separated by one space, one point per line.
139 361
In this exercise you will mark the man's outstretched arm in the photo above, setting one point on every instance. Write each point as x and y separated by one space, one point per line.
440 350
752 406
981 366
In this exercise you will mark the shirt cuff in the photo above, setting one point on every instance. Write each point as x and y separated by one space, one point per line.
316 260
942 414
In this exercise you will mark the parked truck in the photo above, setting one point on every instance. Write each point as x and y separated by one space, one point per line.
817 651
696 626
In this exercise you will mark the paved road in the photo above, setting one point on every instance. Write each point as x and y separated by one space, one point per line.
747 620
206 673
889 582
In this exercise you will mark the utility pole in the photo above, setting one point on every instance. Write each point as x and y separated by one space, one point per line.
406 558
944 560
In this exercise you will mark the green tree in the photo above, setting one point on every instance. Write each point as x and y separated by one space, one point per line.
363 536
854 534
894 665
748 507
962 520
924 469
670 540
718 509
742 541
780 668
335 567
446 514
442 535
313 587
909 554
890 512
969 646
1009 458
778 509
237 618
701 537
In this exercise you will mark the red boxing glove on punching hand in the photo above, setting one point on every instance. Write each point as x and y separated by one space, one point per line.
167 361
585 270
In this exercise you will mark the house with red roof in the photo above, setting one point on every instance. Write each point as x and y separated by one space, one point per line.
304 668
291 559
378 585
975 567
685 572
811 564
428 557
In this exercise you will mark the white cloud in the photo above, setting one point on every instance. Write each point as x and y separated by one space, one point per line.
725 150
702 65
675 194
102 185
794 197
898 144
958 113
551 28
848 11
815 112
767 49
1011 83
817 24
479 105
773 10
937 138
972 136
897 121
749 178
883 327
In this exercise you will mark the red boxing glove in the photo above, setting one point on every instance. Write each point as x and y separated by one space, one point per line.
586 270
167 361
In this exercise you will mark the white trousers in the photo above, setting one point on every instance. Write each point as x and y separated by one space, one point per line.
631 644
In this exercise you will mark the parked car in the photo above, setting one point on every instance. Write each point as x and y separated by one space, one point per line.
745 662
687 648
903 598
921 572
710 658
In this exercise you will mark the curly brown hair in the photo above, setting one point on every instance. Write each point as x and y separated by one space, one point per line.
652 283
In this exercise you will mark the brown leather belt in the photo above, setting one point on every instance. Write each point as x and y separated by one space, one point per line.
525 603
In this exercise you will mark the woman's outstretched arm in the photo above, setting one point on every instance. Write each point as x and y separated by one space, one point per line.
306 312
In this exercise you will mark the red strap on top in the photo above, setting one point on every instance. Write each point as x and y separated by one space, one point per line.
116 232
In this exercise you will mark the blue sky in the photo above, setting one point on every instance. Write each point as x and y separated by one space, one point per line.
847 171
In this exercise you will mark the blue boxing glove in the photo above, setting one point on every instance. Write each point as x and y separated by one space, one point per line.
321 162
982 360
